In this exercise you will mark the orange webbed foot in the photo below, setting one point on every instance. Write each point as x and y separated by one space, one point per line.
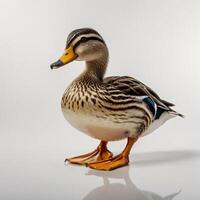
100 154
110 164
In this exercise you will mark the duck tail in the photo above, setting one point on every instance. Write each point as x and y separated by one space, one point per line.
173 112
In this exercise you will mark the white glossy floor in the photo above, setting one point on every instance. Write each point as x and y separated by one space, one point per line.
150 176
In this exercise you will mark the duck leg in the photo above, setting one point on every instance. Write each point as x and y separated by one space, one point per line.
99 154
117 161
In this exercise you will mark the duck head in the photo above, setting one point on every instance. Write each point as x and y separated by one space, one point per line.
83 44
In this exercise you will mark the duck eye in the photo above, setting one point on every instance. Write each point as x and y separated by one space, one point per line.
83 39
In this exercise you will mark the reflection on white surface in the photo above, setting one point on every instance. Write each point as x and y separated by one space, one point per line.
126 191
37 175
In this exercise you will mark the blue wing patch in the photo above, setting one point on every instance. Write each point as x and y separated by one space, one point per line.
151 104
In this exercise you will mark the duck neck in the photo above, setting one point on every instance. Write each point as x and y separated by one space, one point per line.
96 68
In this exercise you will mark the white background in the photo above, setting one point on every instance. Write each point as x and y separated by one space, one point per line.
155 41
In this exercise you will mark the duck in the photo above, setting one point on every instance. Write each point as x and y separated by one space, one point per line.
107 108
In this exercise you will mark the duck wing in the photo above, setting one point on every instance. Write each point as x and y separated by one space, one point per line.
133 87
